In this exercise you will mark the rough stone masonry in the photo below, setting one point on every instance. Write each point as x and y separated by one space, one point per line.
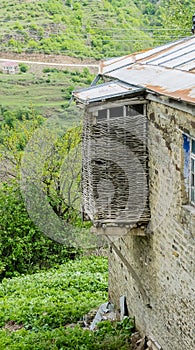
156 271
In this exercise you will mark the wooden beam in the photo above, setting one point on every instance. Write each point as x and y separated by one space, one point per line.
116 103
117 231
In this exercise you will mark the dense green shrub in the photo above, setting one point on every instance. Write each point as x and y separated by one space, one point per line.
69 91
50 70
23 67
23 248
44 303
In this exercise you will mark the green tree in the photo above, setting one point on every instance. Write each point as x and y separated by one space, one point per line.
23 248
23 67
176 16
16 131
49 163
62 175
55 161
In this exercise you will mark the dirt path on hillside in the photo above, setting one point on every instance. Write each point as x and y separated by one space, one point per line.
52 60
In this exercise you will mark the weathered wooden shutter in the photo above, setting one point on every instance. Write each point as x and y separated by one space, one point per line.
115 169
115 172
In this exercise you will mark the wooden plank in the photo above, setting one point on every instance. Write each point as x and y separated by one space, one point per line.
118 103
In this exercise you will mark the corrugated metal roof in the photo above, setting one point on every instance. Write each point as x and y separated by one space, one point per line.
103 92
118 62
176 56
162 55
169 82
10 64
167 70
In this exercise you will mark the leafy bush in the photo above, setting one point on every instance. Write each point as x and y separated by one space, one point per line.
46 70
69 91
23 67
50 70
55 297
45 303
23 248
18 26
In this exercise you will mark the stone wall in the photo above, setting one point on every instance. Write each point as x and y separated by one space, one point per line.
156 272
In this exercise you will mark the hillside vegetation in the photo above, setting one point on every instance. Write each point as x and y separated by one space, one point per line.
79 28
48 90
91 28
40 312
35 309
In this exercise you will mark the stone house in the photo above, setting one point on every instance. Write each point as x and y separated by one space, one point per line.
10 67
139 186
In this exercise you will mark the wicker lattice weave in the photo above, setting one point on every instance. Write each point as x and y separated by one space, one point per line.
115 172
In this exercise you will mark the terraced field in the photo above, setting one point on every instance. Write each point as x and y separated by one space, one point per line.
47 90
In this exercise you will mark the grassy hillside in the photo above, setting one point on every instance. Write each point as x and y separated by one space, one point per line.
91 28
48 90
84 28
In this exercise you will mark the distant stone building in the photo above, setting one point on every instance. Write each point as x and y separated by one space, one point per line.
10 67
139 185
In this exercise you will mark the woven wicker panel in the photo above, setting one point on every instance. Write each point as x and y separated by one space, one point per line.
115 172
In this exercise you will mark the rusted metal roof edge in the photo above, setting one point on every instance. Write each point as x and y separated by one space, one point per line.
141 76
171 102
177 95
155 90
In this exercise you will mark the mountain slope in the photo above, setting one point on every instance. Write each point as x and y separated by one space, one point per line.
85 28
